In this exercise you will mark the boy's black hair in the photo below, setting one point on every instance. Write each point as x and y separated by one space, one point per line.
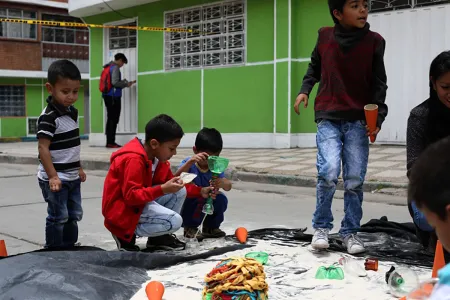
62 69
209 140
338 5
121 56
429 181
163 128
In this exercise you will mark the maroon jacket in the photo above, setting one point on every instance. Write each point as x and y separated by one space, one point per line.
350 68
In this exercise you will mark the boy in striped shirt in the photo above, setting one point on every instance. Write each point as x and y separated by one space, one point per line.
60 173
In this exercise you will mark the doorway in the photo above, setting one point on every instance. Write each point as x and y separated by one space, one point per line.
119 40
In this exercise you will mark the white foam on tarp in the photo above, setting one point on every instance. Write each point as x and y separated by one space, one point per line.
285 276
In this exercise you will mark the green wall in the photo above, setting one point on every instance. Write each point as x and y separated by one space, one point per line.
307 18
35 96
246 93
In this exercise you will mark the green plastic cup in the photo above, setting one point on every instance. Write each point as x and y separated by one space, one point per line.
261 257
330 272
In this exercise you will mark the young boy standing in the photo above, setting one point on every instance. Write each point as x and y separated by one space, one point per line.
348 62
207 143
429 186
141 197
60 173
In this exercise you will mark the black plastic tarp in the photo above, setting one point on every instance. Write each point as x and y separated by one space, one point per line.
84 273
93 273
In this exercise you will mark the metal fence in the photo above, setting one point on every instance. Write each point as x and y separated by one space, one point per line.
387 5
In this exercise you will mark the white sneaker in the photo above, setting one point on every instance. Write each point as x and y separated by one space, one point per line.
354 244
320 239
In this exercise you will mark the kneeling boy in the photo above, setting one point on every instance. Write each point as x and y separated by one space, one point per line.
208 142
141 197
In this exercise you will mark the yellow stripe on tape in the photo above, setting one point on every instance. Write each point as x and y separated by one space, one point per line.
70 24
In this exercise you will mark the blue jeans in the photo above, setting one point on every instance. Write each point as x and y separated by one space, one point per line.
347 142
419 219
64 211
192 212
162 216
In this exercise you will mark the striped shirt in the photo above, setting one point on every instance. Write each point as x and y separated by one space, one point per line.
60 125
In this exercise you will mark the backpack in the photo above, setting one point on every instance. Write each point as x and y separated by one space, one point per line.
105 84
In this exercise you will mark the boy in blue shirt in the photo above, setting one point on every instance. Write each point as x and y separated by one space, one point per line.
429 186
208 142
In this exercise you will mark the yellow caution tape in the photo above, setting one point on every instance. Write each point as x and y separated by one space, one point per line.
71 24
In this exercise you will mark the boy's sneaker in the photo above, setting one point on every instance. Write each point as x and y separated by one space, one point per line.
190 232
165 242
354 244
211 233
126 246
320 239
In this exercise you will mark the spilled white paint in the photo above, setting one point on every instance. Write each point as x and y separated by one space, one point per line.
285 276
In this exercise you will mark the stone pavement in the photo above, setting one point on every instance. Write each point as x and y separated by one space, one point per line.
386 169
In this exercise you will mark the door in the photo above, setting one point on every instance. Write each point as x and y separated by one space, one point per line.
413 39
124 41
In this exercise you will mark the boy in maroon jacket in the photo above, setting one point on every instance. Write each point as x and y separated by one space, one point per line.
348 62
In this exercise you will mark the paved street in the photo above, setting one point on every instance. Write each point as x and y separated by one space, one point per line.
23 211
297 167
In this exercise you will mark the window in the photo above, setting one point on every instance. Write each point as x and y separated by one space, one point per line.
17 30
386 5
12 101
121 38
64 35
32 126
219 40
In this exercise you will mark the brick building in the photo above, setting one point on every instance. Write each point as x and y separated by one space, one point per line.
26 52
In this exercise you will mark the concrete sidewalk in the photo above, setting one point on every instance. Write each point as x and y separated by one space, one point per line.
297 167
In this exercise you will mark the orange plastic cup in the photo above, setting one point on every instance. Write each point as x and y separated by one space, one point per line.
154 290
241 235
371 112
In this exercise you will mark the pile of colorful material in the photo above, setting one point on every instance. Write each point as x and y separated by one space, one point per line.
236 279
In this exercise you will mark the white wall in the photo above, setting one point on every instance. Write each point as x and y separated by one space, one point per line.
413 39
83 8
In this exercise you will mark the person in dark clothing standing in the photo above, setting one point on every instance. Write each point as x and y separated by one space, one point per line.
113 98
428 123
348 60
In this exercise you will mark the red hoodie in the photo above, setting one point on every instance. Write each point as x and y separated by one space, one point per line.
129 186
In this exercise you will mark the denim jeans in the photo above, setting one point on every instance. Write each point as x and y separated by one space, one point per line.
419 219
346 142
162 216
64 211
192 212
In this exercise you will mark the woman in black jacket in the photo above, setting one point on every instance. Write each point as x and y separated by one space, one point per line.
428 123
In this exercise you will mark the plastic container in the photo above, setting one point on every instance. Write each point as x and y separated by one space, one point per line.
261 257
371 264
352 267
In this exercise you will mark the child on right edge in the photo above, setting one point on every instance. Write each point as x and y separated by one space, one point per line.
348 62
429 186
207 143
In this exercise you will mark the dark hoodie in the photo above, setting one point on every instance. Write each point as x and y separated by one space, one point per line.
350 68
129 186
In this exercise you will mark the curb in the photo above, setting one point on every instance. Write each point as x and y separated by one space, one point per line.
235 175
29 139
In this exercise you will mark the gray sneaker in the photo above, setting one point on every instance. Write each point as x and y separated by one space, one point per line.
354 244
320 239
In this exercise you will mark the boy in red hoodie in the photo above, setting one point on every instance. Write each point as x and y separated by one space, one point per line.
141 197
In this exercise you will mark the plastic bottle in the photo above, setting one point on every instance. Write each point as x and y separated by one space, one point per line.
352 267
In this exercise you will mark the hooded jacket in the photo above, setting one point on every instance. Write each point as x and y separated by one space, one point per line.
129 186
116 80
